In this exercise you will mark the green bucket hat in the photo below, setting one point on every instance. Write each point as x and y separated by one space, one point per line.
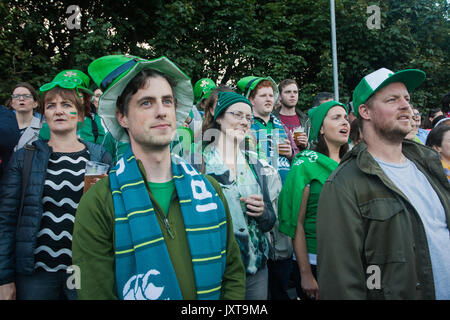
247 84
379 79
317 114
69 79
113 73
202 89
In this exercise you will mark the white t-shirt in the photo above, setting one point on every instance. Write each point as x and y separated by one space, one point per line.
416 187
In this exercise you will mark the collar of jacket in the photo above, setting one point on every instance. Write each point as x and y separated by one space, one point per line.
424 158
43 144
262 121
35 123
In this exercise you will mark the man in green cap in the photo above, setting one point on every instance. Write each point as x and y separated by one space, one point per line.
270 133
274 142
384 214
154 228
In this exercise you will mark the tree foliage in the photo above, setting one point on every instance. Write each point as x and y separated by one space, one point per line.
226 40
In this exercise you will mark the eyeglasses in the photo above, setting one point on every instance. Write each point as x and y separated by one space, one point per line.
239 116
18 96
417 115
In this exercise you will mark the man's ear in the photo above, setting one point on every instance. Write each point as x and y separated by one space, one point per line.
364 112
122 119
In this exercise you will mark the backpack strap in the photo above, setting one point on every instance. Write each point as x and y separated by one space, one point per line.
94 127
27 160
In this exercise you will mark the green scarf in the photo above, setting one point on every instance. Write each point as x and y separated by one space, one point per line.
306 166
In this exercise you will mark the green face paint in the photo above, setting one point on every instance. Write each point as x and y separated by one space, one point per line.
73 115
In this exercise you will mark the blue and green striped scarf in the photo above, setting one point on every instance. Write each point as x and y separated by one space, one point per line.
143 266
265 137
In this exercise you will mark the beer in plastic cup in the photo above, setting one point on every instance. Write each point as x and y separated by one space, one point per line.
94 172
299 131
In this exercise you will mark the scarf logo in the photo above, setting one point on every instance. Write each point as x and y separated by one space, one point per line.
121 167
141 287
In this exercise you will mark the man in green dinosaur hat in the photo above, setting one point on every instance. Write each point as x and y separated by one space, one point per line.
155 228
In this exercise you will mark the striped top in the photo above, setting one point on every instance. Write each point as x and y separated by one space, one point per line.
62 192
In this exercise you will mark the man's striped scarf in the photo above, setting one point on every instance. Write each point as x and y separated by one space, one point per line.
267 146
143 266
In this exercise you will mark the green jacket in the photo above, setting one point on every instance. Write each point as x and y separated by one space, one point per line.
93 247
364 220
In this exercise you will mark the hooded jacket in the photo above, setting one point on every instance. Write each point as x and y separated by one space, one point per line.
364 220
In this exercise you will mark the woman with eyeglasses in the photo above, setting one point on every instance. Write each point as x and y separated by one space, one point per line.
36 234
25 101
250 185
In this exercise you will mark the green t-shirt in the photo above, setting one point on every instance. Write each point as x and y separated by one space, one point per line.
163 193
93 245
309 224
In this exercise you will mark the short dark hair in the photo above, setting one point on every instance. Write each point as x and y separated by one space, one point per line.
436 135
355 127
436 120
285 83
138 82
322 96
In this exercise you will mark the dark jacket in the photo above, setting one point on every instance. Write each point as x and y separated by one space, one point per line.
364 220
17 248
9 135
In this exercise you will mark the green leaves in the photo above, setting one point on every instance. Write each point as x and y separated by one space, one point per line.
228 39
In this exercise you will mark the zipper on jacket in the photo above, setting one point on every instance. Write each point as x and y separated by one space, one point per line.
168 229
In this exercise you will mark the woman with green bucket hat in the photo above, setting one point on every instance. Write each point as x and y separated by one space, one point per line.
91 128
299 196
38 250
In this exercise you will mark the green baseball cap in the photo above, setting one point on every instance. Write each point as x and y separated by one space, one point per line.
202 89
317 114
247 84
69 79
113 73
379 79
